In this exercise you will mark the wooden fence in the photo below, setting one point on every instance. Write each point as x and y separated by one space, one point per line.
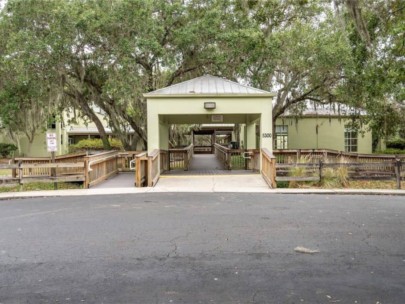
310 171
58 172
44 170
126 160
238 159
333 156
153 168
268 168
180 158
141 173
91 170
164 161
150 166
222 153
99 167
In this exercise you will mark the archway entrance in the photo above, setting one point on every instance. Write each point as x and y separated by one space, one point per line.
209 100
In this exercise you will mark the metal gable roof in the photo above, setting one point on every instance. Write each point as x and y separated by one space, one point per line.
207 85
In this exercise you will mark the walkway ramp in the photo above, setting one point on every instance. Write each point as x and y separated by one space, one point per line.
212 183
205 164
121 180
206 174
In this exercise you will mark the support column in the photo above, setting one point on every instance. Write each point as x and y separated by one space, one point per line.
153 133
266 132
242 143
251 136
163 136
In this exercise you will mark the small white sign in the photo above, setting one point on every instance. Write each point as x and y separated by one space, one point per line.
51 142
217 118
50 135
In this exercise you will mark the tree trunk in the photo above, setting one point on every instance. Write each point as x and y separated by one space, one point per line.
84 106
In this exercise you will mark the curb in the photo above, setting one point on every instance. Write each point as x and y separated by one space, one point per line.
123 191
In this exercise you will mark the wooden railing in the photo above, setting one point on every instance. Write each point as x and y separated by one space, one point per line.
46 171
58 172
310 171
70 158
150 166
164 161
180 158
268 168
153 168
126 160
203 149
238 159
141 172
223 155
253 163
99 167
293 156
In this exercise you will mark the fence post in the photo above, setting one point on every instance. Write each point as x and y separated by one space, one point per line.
320 170
20 172
185 157
13 171
53 171
138 172
149 168
398 172
86 174
168 159
273 173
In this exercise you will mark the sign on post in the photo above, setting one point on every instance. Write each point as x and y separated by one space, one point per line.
52 145
51 142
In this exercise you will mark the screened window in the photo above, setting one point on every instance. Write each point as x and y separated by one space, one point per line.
281 140
351 140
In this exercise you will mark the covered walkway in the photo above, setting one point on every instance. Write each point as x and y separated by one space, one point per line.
205 164
205 174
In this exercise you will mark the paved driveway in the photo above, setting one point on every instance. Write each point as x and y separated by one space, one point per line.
203 248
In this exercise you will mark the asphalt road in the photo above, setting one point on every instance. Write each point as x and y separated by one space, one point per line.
203 248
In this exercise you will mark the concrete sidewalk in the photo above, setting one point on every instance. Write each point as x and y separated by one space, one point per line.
217 188
221 183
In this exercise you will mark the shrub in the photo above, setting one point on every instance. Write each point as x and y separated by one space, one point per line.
282 184
335 177
391 151
7 150
95 144
398 144
298 171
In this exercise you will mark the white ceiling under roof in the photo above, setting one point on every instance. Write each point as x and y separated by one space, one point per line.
207 84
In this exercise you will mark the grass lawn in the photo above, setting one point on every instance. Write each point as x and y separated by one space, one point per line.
375 185
39 186
5 172
352 184
237 161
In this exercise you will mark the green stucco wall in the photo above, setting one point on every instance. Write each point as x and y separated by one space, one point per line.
186 110
322 133
38 147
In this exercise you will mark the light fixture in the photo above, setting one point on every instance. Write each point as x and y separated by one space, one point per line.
210 105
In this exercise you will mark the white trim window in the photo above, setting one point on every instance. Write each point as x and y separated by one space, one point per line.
281 141
351 140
